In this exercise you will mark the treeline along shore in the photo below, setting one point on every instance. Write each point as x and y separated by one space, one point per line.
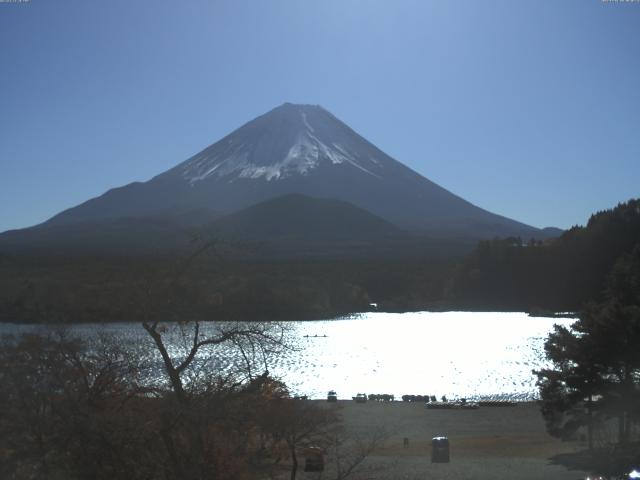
222 281
96 289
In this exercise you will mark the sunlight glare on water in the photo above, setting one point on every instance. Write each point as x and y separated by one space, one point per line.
457 354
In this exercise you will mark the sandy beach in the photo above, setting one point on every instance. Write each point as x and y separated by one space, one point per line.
488 443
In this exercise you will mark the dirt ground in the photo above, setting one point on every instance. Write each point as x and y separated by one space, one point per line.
488 443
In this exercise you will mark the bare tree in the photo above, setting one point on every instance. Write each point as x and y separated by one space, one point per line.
211 406
299 424
165 294
262 339
349 452
68 410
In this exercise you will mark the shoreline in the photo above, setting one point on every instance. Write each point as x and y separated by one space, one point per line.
345 316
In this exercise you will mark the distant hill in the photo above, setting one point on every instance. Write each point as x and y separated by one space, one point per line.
299 217
295 225
551 232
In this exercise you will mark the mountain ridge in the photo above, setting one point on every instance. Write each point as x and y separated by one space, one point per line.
290 226
297 149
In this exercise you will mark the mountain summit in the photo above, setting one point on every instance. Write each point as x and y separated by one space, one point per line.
288 141
296 149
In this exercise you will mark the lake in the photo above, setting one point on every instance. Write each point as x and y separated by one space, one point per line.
457 354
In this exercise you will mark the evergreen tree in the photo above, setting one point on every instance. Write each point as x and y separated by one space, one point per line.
598 358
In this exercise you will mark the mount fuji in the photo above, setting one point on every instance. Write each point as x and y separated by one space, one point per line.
292 149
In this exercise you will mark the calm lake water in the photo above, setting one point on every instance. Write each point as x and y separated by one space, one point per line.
457 354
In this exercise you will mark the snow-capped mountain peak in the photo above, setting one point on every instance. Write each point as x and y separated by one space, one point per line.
287 141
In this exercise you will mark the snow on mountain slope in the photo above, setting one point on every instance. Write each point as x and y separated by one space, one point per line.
237 156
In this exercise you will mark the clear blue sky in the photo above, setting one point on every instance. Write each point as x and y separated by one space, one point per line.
530 109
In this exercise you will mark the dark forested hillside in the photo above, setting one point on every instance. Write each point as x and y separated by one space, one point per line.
244 282
558 275
213 287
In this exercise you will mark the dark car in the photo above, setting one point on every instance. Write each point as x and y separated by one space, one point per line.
314 460
360 398
440 450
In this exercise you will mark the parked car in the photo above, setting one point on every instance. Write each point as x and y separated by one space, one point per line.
440 450
360 398
314 459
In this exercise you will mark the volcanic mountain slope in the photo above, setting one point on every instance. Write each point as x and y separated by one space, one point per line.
296 149
122 235
287 225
